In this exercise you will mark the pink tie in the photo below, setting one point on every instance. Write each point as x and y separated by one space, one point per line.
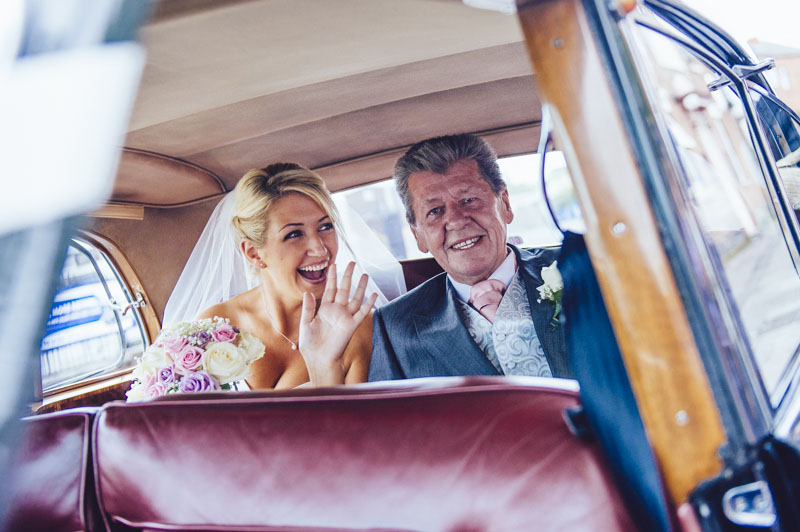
485 296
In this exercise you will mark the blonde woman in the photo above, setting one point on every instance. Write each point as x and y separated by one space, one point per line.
315 328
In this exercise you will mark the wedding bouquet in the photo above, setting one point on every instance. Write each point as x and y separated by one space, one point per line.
198 356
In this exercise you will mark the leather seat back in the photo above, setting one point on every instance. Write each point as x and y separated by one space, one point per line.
449 454
51 480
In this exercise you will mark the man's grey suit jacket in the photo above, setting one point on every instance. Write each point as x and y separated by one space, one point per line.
420 334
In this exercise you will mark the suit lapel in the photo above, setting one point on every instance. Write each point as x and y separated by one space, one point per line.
442 333
541 313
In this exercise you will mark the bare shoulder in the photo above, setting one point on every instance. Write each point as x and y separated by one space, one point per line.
362 338
220 309
366 326
359 352
223 310
233 309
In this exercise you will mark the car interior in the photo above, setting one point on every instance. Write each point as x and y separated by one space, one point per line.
344 88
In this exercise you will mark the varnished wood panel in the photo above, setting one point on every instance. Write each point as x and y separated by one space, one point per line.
655 338
95 395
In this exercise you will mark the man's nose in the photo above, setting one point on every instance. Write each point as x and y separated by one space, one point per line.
454 217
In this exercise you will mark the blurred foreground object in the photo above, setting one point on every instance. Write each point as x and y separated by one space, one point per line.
69 71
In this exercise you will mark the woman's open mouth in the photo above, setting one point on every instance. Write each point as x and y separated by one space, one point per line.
315 273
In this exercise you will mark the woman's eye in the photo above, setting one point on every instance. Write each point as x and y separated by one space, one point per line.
293 234
326 227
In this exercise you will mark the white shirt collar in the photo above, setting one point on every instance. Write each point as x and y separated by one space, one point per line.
504 273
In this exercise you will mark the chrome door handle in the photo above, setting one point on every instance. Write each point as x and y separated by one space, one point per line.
750 505
138 302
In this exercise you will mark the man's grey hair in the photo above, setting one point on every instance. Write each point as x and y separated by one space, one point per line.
437 155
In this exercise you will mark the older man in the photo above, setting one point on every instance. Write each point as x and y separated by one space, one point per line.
483 315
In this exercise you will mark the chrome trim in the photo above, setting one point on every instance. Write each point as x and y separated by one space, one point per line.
742 72
750 505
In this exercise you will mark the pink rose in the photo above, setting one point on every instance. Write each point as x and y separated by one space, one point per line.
176 345
225 333
157 389
148 379
188 359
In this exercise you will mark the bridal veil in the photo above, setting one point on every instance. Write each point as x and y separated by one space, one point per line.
217 271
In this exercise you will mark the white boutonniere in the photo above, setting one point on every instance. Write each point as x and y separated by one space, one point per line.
552 288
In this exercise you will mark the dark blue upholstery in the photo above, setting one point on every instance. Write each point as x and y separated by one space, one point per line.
605 389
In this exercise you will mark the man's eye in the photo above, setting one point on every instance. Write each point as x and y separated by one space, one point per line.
293 234
434 211
470 200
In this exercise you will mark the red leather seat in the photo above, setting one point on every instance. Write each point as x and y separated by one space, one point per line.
50 479
453 454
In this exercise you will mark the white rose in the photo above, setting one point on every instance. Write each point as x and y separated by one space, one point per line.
136 393
138 373
226 362
252 346
154 359
552 285
552 277
544 293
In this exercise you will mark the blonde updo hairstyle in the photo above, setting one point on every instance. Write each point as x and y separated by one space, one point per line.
260 188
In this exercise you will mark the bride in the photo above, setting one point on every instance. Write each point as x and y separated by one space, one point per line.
314 328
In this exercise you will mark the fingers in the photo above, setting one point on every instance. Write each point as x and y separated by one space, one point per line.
343 293
365 308
309 307
330 285
358 296
356 306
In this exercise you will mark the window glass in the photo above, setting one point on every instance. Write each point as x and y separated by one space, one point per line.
728 195
382 209
789 169
87 333
783 134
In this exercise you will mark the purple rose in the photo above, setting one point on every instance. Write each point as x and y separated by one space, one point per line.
199 381
201 339
176 345
225 333
188 360
166 375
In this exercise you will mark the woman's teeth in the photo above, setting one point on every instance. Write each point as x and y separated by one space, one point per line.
466 244
314 272
314 268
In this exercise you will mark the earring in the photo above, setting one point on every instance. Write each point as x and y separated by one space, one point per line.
262 265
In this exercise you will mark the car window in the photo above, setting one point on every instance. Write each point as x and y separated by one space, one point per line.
94 328
381 208
782 130
736 209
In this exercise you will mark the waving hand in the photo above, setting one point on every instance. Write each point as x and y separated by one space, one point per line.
324 334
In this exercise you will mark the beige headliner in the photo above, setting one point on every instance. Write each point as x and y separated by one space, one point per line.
341 86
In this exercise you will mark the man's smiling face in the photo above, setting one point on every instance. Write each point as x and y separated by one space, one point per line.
460 220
